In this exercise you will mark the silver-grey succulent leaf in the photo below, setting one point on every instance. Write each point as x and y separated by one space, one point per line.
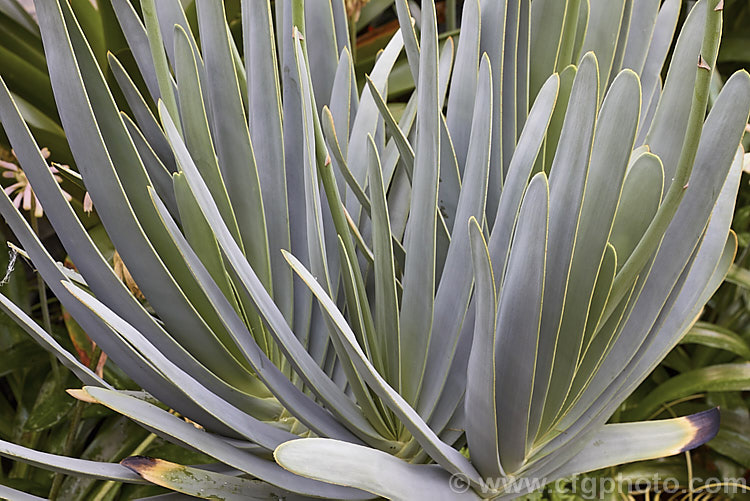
360 296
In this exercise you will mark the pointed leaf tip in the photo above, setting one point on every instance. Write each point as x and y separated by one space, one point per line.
705 425
80 394
139 464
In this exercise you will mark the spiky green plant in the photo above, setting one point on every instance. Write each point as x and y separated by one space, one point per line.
361 296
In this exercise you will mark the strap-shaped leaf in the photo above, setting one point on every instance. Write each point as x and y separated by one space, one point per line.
693 287
509 79
198 233
315 221
613 142
627 442
315 232
720 272
343 172
481 413
593 358
661 41
547 21
376 412
142 113
575 30
68 465
305 366
341 103
519 172
464 81
370 470
446 456
519 317
680 172
392 157
719 377
445 65
493 16
9 493
159 175
411 44
124 355
523 65
289 19
171 14
239 68
195 126
341 24
667 132
454 289
158 56
386 296
622 39
601 37
599 296
647 113
567 77
203 483
639 201
135 34
265 125
683 307
354 284
419 275
246 425
710 183
89 260
32 328
315 417
116 179
640 31
598 348
185 433
449 407
567 182
716 336
449 186
399 137
366 119
232 137
322 50
449 183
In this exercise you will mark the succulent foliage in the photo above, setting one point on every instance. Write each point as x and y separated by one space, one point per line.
342 299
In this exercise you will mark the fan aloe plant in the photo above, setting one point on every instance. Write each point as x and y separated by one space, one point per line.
348 305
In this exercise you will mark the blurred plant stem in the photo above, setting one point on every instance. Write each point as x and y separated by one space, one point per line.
105 489
73 430
450 15
42 288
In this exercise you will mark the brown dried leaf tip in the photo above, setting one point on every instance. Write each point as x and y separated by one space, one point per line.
124 275
140 464
81 395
